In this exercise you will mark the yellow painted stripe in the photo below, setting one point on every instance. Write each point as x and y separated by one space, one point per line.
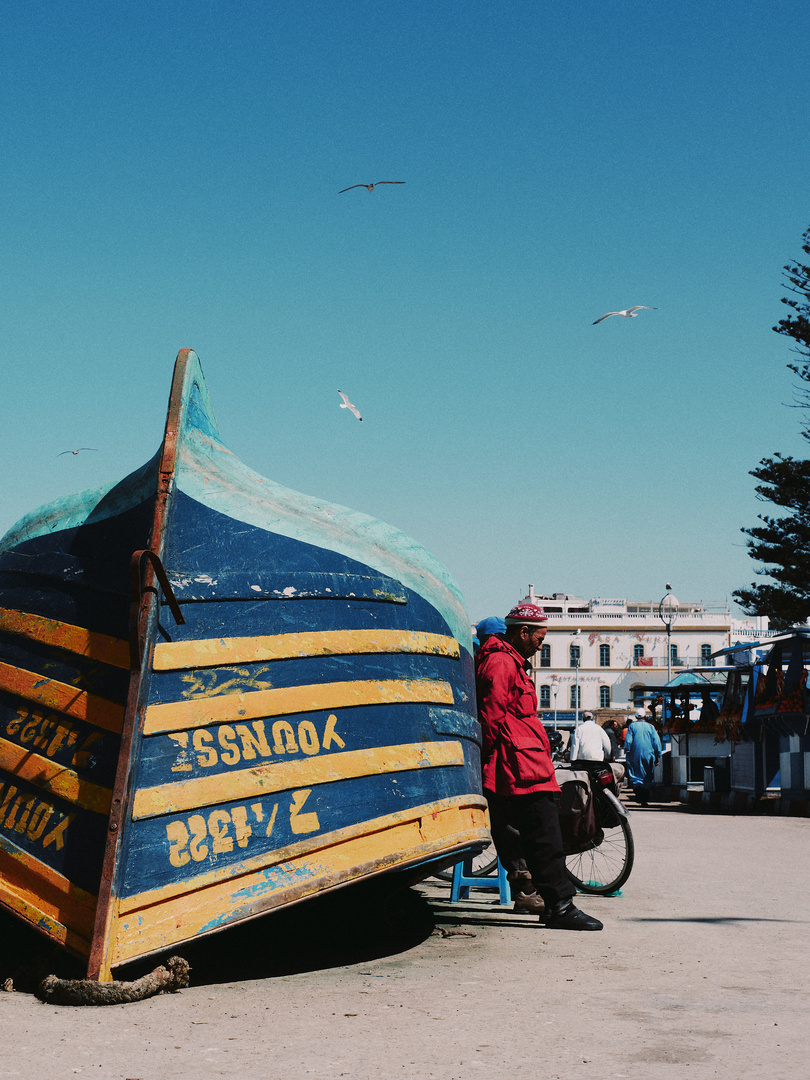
45 899
200 712
158 918
12 857
217 652
285 775
28 908
75 639
49 776
61 696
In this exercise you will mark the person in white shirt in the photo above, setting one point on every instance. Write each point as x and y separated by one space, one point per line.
589 742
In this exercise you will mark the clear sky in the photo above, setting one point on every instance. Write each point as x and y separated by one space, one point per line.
169 178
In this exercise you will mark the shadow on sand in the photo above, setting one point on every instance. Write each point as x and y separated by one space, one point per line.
353 925
655 807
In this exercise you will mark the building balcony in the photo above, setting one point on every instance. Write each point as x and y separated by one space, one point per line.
717 619
661 662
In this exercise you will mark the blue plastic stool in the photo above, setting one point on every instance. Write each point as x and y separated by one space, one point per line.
463 881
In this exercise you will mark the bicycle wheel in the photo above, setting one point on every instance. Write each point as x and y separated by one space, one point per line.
604 869
483 865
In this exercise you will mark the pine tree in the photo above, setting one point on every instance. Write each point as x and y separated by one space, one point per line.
798 326
783 544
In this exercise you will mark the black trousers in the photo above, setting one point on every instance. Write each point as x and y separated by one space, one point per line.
527 827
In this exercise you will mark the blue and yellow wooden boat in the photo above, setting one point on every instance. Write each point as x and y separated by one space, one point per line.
219 697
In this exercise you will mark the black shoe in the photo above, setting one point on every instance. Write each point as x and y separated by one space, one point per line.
571 918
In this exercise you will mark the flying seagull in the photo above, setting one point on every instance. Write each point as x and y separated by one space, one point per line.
628 313
370 187
346 404
74 452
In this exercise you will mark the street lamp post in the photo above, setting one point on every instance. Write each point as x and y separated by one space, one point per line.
555 689
668 613
576 680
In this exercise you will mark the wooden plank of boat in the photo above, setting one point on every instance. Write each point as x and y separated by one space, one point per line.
288 707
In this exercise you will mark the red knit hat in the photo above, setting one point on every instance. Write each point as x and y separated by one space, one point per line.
526 615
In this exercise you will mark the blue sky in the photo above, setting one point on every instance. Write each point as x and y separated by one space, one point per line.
170 178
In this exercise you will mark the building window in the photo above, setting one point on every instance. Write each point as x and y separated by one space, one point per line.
604 697
545 656
638 654
576 697
673 655
545 697
573 655
638 696
604 656
706 659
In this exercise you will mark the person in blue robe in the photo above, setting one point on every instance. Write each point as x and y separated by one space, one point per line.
642 748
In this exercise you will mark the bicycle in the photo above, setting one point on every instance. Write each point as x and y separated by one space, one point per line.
606 863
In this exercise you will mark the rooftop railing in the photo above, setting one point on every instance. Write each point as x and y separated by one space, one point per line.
705 618
639 662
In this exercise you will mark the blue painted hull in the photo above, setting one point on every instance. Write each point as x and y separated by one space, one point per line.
290 709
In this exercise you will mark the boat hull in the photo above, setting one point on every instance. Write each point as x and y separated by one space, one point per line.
288 708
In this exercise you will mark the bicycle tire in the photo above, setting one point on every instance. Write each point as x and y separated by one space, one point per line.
604 869
483 865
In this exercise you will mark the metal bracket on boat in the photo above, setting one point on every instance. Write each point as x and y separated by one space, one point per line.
137 591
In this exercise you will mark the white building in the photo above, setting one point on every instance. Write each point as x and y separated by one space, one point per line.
601 654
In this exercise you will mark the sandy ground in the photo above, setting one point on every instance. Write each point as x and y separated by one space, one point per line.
701 971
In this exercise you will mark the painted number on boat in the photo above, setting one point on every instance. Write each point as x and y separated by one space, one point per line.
51 734
203 836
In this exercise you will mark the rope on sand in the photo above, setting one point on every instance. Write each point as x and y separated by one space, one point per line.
163 980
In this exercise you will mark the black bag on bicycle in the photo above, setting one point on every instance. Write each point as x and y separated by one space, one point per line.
578 824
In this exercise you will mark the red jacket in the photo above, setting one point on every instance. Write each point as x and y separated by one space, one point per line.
516 756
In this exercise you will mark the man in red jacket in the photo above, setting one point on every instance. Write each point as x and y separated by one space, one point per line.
518 772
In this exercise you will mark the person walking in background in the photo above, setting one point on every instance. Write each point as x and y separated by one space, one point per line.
589 741
642 749
519 782
611 730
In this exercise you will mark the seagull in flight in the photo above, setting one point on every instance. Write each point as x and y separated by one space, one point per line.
74 452
370 187
346 404
628 313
